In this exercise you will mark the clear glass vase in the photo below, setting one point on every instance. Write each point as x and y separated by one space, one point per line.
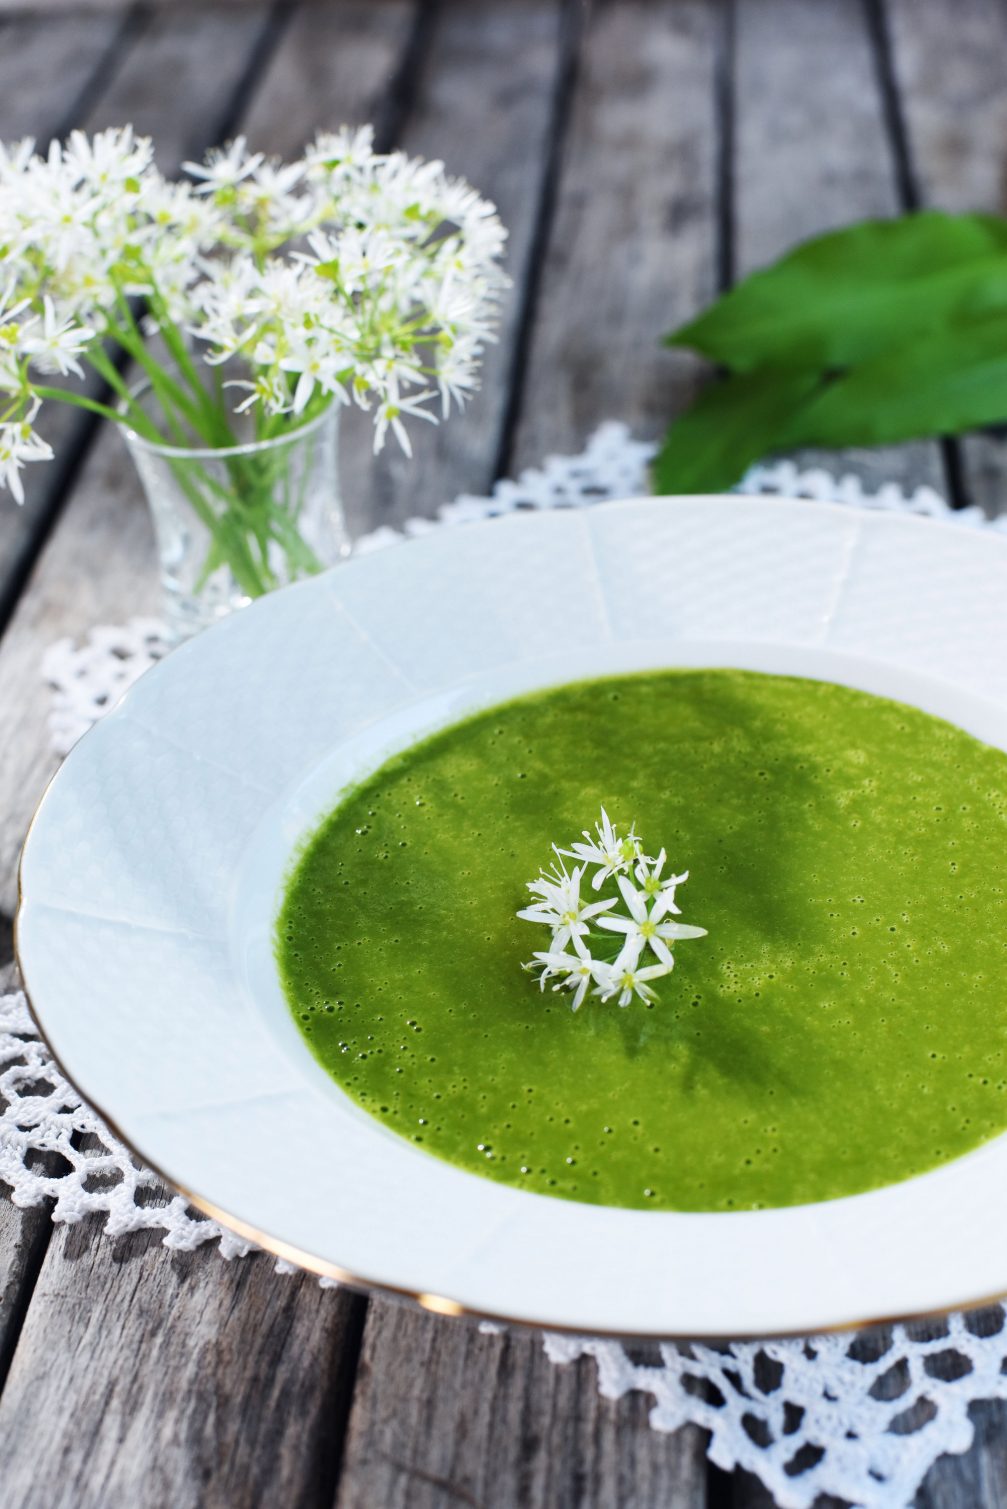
234 523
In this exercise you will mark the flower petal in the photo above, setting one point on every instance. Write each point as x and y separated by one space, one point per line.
662 950
634 899
680 930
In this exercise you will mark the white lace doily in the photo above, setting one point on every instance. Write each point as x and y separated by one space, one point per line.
861 1417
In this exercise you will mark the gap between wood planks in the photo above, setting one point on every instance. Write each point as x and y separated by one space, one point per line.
574 20
909 195
724 85
64 468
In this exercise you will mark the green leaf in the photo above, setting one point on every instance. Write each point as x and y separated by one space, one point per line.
849 295
731 424
950 380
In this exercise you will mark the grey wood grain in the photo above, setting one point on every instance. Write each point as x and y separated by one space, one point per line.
335 65
34 51
949 64
24 1235
812 153
484 102
444 1415
143 1377
632 246
176 84
949 68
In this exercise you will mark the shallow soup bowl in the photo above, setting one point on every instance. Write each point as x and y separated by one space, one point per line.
155 865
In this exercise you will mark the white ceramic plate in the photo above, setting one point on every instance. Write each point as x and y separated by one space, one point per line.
152 874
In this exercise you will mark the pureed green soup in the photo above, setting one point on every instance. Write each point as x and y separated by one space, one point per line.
844 1024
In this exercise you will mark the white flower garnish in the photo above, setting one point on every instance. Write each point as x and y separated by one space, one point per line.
560 905
640 926
578 971
645 928
648 878
626 981
612 854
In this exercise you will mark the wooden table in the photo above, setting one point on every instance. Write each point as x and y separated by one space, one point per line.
643 153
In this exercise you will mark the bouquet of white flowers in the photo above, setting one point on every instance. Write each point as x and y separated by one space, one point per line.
272 291
630 923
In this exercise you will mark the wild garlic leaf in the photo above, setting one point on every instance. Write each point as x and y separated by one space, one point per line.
938 384
846 296
732 423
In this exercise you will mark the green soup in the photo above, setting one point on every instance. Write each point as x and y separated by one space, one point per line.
844 1024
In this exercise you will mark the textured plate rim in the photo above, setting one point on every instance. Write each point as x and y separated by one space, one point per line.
284 1250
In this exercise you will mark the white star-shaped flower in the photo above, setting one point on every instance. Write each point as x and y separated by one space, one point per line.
644 927
625 980
579 971
224 167
56 346
648 878
560 905
613 855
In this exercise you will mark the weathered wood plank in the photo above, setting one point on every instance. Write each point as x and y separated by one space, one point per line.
811 149
950 66
632 247
484 104
812 153
444 1415
24 1235
148 1378
335 65
37 52
177 84
64 8
33 52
